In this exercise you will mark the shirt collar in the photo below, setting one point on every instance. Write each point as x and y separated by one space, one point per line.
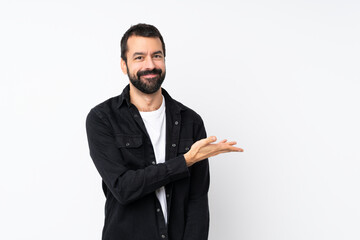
125 97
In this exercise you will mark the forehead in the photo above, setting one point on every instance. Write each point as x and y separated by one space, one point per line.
143 44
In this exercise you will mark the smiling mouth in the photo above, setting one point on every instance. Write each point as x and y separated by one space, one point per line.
150 75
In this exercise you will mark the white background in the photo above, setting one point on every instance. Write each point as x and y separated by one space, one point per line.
280 77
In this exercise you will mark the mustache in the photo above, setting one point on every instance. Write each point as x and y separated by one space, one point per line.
146 72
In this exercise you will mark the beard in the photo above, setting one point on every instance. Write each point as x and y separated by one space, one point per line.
147 85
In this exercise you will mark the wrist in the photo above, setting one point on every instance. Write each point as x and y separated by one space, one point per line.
188 159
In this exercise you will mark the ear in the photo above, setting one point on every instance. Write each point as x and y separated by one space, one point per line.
123 66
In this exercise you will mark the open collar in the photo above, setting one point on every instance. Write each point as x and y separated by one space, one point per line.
124 97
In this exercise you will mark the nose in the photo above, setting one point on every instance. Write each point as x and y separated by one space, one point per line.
149 63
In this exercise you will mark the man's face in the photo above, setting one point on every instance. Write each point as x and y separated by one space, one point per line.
145 64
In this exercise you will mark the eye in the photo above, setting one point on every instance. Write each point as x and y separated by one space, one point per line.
157 56
138 58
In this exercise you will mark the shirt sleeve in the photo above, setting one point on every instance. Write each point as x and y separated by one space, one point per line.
127 185
197 220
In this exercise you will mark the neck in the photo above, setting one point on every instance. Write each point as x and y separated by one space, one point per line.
145 102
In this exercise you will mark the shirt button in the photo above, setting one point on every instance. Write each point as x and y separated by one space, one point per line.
173 145
135 115
153 162
127 144
167 195
176 122
163 236
187 148
158 210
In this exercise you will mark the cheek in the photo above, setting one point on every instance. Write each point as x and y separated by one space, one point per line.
133 70
132 74
161 65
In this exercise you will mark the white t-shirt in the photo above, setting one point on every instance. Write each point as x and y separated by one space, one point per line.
155 123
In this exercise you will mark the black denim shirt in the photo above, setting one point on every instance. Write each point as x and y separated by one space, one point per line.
123 154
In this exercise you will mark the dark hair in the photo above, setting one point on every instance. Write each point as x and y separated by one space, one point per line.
142 30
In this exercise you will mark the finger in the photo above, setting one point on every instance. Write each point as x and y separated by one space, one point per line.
236 149
232 143
228 151
225 143
231 149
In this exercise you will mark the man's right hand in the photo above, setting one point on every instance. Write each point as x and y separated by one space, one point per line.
206 148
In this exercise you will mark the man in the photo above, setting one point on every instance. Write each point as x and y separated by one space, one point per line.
151 151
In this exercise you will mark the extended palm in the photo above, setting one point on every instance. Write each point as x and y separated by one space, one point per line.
206 148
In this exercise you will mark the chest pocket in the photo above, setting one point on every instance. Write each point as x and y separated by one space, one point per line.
185 145
132 149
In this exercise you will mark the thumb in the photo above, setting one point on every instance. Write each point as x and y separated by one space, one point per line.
210 139
206 141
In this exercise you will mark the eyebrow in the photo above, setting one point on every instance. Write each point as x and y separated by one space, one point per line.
157 52
142 53
138 53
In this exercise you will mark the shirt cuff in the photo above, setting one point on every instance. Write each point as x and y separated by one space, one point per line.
177 168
